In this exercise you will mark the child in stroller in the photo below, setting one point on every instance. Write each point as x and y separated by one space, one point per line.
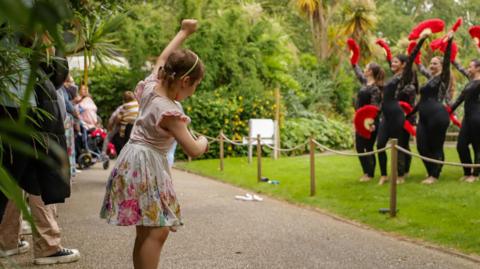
89 147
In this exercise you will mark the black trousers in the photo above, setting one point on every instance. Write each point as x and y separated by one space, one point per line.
431 132
363 145
469 135
392 127
118 141
408 157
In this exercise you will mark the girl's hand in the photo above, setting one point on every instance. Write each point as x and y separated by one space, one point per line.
203 140
189 26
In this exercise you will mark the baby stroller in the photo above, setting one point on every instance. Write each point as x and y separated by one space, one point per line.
91 144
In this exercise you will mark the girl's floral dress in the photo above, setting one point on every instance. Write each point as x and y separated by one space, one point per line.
139 190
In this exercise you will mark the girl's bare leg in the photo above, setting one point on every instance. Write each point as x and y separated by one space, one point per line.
148 246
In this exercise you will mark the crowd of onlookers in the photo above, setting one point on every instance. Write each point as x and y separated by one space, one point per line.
82 119
74 113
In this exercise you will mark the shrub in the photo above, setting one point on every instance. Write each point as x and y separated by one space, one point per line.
328 132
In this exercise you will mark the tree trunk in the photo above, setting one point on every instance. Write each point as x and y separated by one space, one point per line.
85 67
323 29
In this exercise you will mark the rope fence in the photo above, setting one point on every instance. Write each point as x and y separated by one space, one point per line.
313 145
436 161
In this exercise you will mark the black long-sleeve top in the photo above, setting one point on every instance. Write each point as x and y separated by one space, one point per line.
426 73
368 94
471 96
460 69
436 88
398 83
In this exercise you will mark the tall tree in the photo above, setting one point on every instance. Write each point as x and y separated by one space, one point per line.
95 38
359 22
320 14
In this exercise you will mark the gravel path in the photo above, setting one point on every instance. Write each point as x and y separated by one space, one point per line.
221 232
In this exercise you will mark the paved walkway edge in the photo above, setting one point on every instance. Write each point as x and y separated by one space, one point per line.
444 249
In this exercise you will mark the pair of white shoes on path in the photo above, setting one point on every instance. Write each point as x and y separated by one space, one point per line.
249 197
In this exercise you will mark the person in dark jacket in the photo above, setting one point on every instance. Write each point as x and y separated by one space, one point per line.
45 183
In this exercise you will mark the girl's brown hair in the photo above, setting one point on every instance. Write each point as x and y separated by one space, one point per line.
378 73
179 64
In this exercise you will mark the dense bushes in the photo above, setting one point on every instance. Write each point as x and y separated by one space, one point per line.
328 132
247 55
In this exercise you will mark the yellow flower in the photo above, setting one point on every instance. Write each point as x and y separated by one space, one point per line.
226 121
240 98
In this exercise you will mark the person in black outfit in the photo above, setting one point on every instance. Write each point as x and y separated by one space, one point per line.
393 117
435 68
369 94
434 118
408 94
470 131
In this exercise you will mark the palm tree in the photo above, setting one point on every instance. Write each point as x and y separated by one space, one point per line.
95 37
359 21
319 13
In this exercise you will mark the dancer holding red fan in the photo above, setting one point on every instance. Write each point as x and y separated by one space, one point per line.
470 128
434 118
366 106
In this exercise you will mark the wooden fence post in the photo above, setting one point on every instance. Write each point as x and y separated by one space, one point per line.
393 183
276 143
221 150
312 168
259 158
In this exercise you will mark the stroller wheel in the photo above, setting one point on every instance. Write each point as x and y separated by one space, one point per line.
106 164
85 160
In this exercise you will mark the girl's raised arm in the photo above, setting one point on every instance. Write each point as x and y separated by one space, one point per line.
188 27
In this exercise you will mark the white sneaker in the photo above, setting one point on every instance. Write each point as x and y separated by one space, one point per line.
257 198
247 197
23 246
62 256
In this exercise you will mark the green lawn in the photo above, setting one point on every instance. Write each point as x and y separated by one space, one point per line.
446 213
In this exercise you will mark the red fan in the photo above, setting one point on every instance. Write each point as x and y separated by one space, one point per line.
355 51
457 24
475 34
386 48
407 108
441 44
410 48
437 43
431 25
454 53
453 117
364 120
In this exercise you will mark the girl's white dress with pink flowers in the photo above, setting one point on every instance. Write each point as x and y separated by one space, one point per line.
139 190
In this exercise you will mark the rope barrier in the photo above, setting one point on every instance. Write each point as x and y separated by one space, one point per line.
350 154
232 142
287 150
228 140
436 161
